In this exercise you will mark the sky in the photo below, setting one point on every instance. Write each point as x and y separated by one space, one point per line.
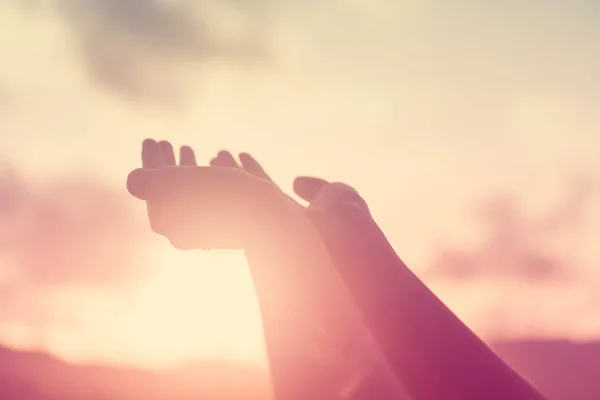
472 129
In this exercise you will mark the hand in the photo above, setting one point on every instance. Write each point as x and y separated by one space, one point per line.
305 187
336 209
318 192
203 207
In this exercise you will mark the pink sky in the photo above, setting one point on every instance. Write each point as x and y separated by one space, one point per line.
472 131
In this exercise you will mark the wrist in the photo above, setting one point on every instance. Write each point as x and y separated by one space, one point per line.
274 217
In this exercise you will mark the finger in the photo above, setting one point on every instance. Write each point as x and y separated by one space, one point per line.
151 154
142 183
225 159
338 194
249 164
307 187
187 156
151 184
167 152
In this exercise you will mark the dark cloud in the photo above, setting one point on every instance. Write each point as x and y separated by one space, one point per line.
133 46
74 231
515 244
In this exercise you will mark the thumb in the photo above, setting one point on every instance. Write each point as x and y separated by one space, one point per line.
138 181
307 187
341 194
150 183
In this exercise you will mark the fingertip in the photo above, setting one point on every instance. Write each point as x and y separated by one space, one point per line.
246 156
252 166
149 142
224 153
308 187
187 156
225 159
136 182
167 152
248 162
151 154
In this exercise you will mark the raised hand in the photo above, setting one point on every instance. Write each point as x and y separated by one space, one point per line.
336 209
202 207
306 187
188 227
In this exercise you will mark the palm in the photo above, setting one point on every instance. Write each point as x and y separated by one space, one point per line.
201 207
336 209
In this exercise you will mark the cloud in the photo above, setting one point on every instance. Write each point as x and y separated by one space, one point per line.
517 246
72 232
135 47
5 96
31 306
570 212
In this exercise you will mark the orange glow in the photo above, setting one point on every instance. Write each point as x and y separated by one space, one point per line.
207 305
197 305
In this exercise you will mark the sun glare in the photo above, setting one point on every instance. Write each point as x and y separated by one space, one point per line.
197 305
200 304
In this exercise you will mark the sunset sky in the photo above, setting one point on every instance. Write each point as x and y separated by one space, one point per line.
472 129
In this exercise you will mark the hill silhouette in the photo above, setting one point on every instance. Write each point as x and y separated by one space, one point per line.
563 370
39 376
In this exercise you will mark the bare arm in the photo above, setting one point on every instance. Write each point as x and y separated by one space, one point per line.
317 344
432 351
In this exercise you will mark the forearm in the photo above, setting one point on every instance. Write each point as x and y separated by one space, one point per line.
317 345
432 351
289 330
436 354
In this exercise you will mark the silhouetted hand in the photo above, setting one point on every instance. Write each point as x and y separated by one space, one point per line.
204 207
336 209
307 188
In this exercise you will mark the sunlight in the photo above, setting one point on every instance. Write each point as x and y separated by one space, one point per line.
201 304
197 305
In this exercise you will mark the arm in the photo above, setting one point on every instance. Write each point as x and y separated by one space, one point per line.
431 350
302 300
293 271
304 303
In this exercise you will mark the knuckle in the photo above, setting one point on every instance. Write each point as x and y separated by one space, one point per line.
180 244
156 225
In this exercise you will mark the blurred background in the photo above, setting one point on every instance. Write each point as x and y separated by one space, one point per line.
471 128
